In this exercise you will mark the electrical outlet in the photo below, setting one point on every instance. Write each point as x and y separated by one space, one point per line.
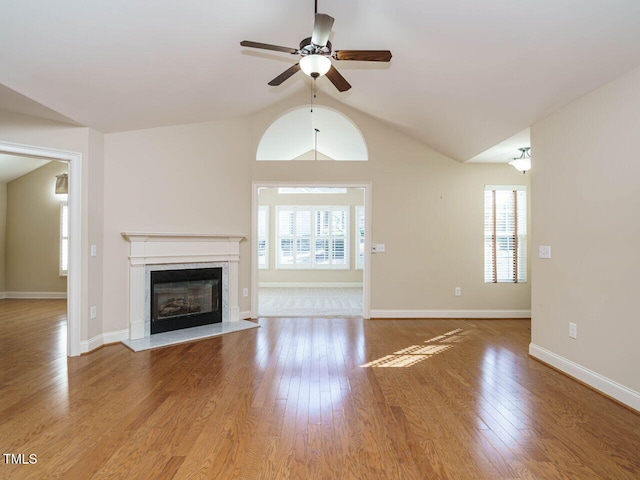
457 292
94 312
94 250
573 330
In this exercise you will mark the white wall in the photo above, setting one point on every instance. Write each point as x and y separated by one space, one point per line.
586 199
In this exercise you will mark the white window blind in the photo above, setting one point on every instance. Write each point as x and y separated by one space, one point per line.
263 236
360 237
505 233
313 237
64 238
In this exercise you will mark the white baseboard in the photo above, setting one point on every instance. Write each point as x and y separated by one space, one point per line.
245 315
450 314
3 295
35 295
103 339
310 284
603 384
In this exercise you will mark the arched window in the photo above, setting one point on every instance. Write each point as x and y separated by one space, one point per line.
323 134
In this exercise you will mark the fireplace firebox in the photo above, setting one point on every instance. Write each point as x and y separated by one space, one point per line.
185 298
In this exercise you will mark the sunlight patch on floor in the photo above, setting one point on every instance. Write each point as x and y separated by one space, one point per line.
413 354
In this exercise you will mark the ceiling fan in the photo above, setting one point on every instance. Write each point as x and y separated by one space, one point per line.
316 54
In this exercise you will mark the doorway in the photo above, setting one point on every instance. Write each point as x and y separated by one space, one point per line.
74 161
310 247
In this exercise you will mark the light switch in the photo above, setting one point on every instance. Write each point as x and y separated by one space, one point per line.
94 250
544 251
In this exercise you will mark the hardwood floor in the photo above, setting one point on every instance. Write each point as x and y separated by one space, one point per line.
439 399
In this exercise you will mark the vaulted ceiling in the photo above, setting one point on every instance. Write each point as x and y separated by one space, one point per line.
465 74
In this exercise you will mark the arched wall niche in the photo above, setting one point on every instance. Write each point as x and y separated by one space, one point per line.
293 136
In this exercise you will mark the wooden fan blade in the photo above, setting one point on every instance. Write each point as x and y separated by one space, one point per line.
284 75
321 29
267 46
338 80
363 55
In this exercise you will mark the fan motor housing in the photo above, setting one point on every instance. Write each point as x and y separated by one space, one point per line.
308 48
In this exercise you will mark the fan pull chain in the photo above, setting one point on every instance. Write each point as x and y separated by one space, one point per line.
313 93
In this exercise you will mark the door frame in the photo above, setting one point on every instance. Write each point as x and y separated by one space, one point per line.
366 270
74 275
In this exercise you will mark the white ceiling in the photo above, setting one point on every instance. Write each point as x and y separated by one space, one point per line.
12 166
506 150
465 74
14 102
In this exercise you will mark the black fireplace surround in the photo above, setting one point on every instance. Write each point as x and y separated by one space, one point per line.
185 298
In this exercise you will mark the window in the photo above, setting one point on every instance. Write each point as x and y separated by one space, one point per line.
360 237
263 236
64 238
313 237
505 234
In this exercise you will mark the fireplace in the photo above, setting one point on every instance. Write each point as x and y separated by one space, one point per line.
185 298
152 252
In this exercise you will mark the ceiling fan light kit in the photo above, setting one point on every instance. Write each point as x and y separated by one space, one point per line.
315 65
316 53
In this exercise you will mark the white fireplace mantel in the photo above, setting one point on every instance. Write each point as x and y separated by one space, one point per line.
149 250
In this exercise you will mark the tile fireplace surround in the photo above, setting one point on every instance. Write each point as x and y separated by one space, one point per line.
161 251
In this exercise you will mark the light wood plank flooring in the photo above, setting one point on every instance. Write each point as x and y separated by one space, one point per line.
435 399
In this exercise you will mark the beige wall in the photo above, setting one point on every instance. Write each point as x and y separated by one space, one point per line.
271 198
190 178
3 222
93 230
427 208
586 199
33 232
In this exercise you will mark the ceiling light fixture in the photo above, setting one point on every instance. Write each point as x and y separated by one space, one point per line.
523 163
315 65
